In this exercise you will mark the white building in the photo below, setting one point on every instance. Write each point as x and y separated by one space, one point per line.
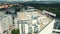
5 23
34 22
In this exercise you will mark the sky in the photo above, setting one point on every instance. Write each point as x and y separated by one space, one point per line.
29 0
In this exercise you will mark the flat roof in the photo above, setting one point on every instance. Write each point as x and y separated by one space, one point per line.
42 19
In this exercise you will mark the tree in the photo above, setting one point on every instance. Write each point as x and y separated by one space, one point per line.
15 31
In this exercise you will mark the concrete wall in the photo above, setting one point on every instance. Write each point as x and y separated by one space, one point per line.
48 29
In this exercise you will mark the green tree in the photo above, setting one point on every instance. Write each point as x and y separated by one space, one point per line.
15 31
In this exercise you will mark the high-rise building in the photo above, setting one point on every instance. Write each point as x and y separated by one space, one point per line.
36 22
5 23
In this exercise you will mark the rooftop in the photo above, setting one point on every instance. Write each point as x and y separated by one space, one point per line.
35 17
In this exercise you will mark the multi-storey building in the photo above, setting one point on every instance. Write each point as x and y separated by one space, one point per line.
33 21
5 23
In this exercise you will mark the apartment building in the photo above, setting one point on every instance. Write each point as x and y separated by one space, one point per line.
5 23
33 21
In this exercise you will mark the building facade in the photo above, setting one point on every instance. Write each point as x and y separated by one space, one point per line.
34 22
5 23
